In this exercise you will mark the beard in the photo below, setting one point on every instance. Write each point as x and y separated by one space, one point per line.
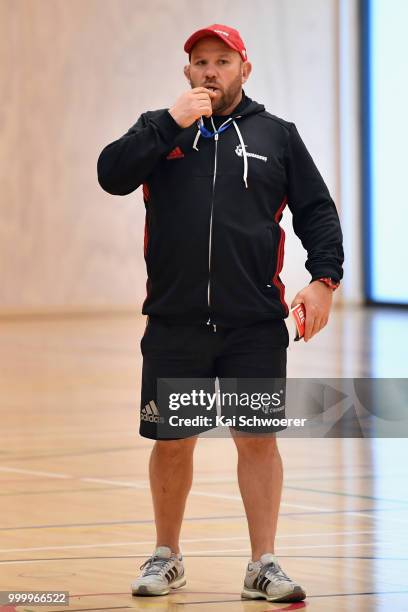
225 97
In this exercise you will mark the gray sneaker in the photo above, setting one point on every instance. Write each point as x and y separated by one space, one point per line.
266 580
163 571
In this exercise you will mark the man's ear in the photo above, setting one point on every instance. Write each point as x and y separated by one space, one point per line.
186 71
246 71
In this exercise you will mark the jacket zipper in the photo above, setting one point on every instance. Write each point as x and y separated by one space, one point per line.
210 233
211 223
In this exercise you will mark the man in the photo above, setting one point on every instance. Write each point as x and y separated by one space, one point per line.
217 171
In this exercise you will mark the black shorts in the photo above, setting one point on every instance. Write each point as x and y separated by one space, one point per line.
174 351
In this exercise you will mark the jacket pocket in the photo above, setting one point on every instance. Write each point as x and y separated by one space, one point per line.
270 256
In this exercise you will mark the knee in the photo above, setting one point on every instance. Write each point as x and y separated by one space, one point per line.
256 447
175 450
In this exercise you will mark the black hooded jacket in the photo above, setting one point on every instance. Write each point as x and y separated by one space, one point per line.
213 245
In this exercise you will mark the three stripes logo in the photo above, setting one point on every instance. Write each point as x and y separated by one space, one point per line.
261 583
150 412
171 574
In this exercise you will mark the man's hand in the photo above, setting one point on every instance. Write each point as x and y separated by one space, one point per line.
317 299
191 105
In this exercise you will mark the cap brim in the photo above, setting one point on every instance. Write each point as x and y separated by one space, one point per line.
190 42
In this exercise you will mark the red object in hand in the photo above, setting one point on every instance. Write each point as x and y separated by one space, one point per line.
299 317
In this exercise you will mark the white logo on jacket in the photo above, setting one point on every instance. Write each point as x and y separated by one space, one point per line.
238 151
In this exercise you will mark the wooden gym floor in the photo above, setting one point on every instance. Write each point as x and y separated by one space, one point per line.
75 509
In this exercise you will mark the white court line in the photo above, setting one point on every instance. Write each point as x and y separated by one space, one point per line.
132 484
281 548
197 553
34 473
182 541
238 498
378 518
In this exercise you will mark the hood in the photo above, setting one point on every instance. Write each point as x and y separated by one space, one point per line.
214 126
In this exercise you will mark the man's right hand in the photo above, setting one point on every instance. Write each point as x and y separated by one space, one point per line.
191 105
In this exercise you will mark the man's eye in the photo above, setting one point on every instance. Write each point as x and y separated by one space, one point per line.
199 62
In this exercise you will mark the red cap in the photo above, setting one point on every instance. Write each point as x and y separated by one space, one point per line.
228 35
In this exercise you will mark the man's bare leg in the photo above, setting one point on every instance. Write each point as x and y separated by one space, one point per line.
171 476
260 476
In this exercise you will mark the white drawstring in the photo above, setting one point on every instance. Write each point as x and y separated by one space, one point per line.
197 136
244 154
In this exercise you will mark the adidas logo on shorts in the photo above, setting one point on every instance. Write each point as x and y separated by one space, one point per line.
151 413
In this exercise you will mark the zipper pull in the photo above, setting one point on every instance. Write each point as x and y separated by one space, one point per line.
216 136
213 324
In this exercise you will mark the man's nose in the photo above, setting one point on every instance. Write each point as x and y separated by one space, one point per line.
210 71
